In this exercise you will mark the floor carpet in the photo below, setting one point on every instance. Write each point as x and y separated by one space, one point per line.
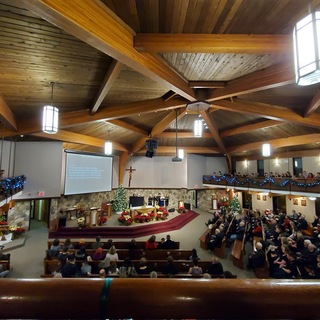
131 232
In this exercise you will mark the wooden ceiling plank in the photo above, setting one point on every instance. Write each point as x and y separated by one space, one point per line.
84 19
277 143
272 77
106 84
268 111
128 126
6 115
314 105
213 43
249 127
72 137
207 84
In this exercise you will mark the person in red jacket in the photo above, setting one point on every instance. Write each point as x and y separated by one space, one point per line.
151 243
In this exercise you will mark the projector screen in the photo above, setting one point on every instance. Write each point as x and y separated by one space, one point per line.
87 173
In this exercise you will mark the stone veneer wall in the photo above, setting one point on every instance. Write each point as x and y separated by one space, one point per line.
20 214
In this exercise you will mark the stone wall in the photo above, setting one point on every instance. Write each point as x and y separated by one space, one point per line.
20 214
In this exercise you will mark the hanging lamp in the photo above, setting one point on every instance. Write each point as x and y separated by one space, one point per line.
108 147
306 44
50 116
176 158
266 149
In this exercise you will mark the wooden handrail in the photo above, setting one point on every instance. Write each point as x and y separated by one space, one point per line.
159 298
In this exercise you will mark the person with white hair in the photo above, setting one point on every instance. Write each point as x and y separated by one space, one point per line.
257 258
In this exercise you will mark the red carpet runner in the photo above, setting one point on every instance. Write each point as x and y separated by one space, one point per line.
131 232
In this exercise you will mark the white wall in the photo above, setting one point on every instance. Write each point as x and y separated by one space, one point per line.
309 210
216 164
41 163
157 172
7 155
263 204
311 164
196 165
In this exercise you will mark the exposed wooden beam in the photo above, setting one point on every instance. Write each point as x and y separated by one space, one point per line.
207 84
6 115
268 78
277 143
314 104
72 137
213 128
249 127
268 111
106 84
128 126
164 123
182 135
74 118
84 19
138 145
213 43
199 150
122 166
170 94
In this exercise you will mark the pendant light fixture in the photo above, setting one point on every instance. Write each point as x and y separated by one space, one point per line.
266 149
108 147
176 158
306 44
50 116
197 130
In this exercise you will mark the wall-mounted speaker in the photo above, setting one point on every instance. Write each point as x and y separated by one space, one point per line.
151 144
150 153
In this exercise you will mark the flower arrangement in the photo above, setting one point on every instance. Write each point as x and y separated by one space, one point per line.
16 231
125 218
182 210
81 222
162 213
102 220
143 217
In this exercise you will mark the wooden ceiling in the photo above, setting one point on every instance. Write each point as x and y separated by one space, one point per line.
121 68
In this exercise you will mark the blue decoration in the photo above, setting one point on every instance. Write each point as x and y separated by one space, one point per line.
266 183
9 186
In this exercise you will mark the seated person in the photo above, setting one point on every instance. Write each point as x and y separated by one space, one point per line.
85 269
195 270
216 239
97 243
81 254
151 243
98 254
143 267
170 269
81 243
3 271
55 248
215 267
127 270
194 255
168 244
257 258
70 270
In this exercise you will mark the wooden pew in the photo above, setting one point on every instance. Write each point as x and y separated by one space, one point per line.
238 250
52 266
155 254
117 244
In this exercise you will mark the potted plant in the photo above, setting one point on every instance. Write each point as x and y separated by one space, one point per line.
125 218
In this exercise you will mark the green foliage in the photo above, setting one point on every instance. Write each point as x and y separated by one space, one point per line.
235 205
120 200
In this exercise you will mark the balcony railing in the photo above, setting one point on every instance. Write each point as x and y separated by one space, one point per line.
286 185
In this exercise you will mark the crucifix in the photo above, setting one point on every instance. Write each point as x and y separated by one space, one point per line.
130 170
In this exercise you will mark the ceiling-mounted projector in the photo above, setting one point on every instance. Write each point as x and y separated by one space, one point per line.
176 159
